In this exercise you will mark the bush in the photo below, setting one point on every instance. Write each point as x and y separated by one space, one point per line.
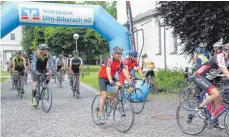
169 79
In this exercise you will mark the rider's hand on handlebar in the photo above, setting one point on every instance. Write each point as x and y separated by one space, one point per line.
112 83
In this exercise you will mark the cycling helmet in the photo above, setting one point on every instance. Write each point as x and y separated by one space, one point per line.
43 47
54 57
199 50
117 50
18 52
144 55
75 52
218 45
60 55
203 45
133 53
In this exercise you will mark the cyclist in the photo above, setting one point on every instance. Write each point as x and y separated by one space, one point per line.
217 48
148 68
129 63
19 65
40 62
106 75
68 64
202 79
76 64
10 65
200 58
60 63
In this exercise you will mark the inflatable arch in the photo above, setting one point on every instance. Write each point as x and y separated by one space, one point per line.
65 15
14 14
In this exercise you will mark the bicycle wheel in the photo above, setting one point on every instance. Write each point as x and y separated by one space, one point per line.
123 109
21 85
37 97
226 122
186 94
137 100
95 110
188 120
46 99
60 80
76 89
25 78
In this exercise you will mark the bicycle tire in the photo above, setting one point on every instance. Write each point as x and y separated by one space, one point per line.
21 86
179 124
226 119
97 110
135 97
43 97
60 81
132 112
76 90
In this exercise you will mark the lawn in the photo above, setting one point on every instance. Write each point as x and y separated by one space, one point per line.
4 74
92 78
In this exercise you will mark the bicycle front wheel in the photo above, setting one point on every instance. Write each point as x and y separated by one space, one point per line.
46 99
123 116
188 120
95 110
137 99
226 122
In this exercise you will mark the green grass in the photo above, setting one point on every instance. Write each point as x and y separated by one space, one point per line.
92 78
4 74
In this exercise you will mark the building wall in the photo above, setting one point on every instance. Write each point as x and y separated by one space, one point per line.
8 45
153 36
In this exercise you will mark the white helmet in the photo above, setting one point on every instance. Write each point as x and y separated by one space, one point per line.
203 45
54 57
218 45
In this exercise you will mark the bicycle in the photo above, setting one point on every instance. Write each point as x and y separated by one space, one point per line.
192 115
74 85
135 96
14 79
43 92
60 77
117 107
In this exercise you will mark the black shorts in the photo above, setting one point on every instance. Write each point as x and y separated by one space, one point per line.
59 67
149 73
104 82
203 83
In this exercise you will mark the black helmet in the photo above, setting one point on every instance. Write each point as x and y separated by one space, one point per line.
75 52
43 47
18 52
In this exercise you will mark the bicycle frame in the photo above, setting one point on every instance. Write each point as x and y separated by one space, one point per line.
202 96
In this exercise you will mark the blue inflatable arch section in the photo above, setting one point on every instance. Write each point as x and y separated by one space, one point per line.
14 14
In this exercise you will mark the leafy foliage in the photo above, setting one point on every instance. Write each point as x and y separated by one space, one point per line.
195 22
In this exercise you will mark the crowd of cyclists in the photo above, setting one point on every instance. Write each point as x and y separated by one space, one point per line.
204 62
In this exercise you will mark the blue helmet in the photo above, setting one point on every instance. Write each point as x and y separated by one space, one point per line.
133 53
199 50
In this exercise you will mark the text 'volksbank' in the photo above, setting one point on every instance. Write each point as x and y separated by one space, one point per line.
60 16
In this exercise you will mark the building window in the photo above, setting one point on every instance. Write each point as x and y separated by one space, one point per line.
158 36
12 36
175 44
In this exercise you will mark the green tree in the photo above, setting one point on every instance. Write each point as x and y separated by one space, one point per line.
195 22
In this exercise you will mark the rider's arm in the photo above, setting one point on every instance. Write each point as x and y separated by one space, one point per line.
34 62
126 74
81 64
108 69
70 66
24 63
140 71
222 64
51 64
13 67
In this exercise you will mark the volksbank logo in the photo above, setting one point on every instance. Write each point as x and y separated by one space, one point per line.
30 13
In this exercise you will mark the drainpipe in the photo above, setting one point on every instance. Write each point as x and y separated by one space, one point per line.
165 47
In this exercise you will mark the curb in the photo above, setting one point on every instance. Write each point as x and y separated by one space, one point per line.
93 90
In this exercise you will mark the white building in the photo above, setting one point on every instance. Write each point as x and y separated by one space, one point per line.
10 43
154 38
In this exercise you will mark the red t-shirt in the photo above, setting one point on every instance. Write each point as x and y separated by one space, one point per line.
131 64
115 66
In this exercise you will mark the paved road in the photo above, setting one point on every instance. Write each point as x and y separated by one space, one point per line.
70 117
